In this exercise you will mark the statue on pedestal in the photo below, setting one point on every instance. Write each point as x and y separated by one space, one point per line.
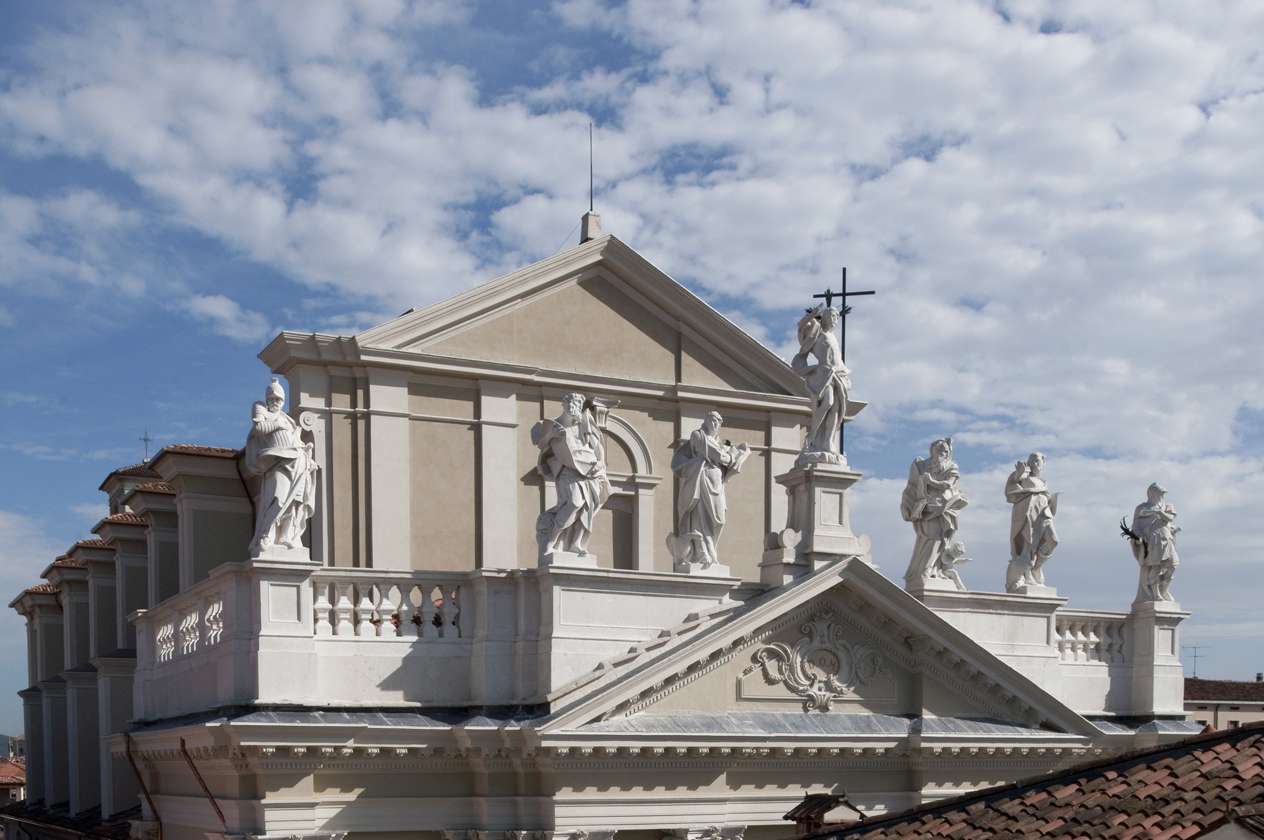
1032 537
932 502
704 463
827 383
573 455
1153 541
276 451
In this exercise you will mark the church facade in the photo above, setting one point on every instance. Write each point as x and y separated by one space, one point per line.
428 661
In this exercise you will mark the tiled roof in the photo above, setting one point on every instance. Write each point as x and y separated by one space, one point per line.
156 487
11 772
93 543
1173 792
41 587
193 449
65 562
142 470
1222 690
126 519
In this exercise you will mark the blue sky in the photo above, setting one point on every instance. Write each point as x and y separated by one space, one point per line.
1061 205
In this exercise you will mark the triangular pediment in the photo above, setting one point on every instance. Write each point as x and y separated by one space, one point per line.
843 642
599 310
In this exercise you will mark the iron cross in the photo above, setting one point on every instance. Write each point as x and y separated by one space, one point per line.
843 311
148 440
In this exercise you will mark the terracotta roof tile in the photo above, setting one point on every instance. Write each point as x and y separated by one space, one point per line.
92 543
194 449
1222 690
41 587
126 519
1173 792
156 487
142 470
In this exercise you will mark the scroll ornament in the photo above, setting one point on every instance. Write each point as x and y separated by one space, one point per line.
821 667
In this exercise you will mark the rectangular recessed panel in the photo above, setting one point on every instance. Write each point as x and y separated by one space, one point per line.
1167 641
831 508
283 603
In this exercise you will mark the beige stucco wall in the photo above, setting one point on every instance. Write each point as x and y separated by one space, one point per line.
437 477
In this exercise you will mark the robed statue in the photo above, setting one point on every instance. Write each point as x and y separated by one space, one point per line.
573 456
704 463
1153 540
933 504
1032 537
275 451
827 382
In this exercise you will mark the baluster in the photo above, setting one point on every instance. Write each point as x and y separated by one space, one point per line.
406 626
364 611
448 611
1093 631
345 627
1062 640
428 612
322 607
385 611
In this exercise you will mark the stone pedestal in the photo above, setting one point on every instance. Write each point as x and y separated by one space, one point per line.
1158 684
818 523
933 585
568 558
284 554
1036 591
696 569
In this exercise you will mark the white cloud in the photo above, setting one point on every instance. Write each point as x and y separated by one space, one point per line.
228 318
1060 204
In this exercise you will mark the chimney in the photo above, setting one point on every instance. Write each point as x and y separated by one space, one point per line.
589 227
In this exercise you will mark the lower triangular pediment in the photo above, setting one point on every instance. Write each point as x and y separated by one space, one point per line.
846 642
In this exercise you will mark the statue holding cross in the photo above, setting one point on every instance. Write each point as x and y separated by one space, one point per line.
827 380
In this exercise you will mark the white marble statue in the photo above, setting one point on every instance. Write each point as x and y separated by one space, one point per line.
276 451
827 382
932 503
948 561
573 455
704 463
1153 540
1032 537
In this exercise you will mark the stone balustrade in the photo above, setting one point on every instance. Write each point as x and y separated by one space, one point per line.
184 624
382 604
1089 636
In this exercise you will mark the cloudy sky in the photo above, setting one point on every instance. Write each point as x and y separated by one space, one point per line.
1060 204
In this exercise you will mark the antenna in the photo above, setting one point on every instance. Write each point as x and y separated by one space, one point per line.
1196 654
148 440
590 167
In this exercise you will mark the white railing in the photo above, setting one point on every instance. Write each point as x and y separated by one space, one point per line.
188 622
1086 636
382 604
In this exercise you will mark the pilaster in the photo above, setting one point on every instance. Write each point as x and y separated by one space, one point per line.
83 739
33 720
390 460
118 790
498 474
56 756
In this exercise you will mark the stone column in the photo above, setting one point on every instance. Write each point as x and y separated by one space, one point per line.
818 523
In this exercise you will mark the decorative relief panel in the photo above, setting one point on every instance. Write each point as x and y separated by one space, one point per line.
821 667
